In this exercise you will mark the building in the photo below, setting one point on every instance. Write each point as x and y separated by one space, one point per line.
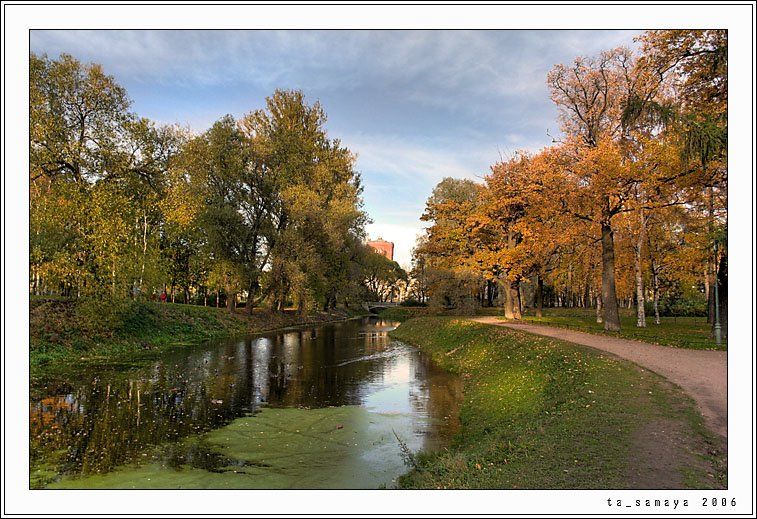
385 248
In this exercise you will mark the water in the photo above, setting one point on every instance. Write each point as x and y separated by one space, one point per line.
334 406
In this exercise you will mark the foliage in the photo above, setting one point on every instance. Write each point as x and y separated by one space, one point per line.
413 302
625 209
266 208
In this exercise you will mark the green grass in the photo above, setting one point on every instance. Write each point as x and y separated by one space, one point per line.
66 334
403 313
542 413
679 332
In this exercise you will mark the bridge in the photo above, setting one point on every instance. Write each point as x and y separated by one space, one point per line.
377 306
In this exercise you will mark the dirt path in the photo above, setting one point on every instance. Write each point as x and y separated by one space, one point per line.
702 374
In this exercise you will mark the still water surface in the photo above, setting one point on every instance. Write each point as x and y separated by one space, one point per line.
333 406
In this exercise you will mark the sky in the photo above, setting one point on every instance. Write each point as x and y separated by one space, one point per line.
415 106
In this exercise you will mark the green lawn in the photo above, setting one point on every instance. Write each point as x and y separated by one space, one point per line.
542 413
680 332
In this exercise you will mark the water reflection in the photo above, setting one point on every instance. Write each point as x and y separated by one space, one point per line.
102 420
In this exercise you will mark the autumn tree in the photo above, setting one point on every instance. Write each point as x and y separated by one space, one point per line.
697 60
453 277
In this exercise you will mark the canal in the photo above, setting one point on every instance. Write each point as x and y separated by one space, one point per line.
340 405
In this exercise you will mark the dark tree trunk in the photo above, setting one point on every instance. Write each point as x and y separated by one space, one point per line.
656 292
587 297
231 301
711 263
722 280
609 297
251 293
539 296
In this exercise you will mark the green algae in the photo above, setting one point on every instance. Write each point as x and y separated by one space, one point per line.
333 447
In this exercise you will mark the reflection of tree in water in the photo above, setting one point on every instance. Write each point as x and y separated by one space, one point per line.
104 421
436 396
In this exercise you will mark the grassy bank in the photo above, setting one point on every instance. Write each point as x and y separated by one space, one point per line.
541 413
66 333
679 332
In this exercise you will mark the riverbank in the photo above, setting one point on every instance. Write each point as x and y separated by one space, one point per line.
543 413
64 334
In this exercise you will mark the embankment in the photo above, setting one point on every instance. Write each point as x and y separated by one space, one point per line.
67 333
542 413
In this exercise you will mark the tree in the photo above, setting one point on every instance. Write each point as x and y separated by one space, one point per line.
382 276
453 277
314 197
96 177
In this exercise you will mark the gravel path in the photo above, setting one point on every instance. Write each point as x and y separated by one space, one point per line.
701 373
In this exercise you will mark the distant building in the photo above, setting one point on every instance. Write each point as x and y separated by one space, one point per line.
385 248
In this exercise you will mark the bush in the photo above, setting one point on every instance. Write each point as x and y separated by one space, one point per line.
453 291
413 302
674 305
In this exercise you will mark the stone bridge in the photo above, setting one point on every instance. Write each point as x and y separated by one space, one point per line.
377 306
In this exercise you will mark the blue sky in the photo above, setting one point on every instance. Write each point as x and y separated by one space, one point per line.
415 106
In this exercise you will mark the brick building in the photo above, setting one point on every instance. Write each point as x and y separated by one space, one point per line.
385 248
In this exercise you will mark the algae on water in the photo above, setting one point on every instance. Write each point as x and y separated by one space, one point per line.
333 447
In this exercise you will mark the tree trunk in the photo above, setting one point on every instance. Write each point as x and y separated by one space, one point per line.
144 253
711 263
655 292
539 296
508 300
609 296
231 301
521 297
252 290
586 296
512 300
641 316
707 291
599 308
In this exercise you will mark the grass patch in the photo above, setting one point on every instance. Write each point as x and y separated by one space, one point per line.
679 332
542 413
401 313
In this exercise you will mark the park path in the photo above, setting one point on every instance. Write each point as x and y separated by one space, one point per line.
701 373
